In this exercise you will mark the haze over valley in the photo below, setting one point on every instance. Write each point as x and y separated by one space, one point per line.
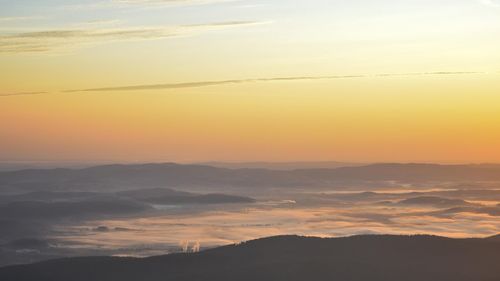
283 140
152 209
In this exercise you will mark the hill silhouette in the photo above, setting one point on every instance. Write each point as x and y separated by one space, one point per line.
435 201
170 196
290 258
123 177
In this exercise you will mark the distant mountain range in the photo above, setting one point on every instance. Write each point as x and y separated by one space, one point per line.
291 258
286 166
170 175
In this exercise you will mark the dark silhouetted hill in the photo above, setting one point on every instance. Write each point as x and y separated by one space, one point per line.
123 177
435 201
410 172
495 238
170 196
291 258
281 165
56 205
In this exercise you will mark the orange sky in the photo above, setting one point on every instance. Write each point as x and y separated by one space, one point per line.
450 119
441 102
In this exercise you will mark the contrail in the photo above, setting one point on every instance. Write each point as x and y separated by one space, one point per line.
22 94
207 83
169 86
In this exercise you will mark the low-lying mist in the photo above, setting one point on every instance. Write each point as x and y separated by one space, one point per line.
159 209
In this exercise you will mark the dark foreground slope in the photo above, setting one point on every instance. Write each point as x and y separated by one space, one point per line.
288 258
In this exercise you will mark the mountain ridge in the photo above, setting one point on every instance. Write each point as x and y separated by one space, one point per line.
172 175
368 257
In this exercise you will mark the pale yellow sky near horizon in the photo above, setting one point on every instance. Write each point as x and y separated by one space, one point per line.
441 102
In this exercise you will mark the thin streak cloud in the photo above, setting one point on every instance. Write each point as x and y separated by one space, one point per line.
200 84
168 86
50 40
171 2
22 94
117 4
18 19
206 83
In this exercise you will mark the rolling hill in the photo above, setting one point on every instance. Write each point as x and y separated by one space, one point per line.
358 258
170 175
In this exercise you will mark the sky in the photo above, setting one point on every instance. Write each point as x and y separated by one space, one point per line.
249 80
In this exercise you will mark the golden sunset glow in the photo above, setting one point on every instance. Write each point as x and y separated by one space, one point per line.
270 140
361 81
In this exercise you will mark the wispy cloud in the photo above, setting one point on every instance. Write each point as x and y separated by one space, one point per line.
113 4
21 94
254 80
50 40
199 84
206 83
102 23
17 19
171 2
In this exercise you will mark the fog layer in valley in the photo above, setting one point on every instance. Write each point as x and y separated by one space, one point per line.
144 210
